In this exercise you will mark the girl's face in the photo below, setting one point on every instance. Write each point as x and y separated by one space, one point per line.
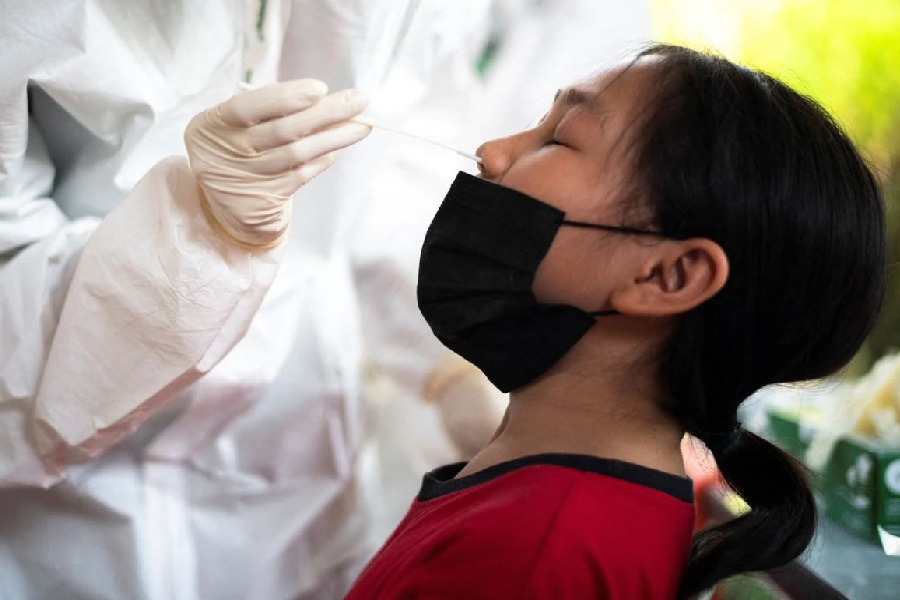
575 160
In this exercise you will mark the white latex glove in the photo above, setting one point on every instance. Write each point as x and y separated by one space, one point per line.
252 152
470 408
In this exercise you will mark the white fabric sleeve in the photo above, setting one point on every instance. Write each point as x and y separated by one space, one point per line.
155 301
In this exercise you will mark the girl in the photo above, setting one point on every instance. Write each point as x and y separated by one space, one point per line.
671 237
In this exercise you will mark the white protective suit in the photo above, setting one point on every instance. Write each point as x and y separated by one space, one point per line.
181 418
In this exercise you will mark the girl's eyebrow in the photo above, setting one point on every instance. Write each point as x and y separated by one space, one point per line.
575 97
570 96
594 102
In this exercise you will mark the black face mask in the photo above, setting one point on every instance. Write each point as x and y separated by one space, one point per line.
476 271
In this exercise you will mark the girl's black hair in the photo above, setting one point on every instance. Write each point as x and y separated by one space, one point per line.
732 155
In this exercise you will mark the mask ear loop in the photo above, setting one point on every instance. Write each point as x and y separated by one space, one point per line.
614 228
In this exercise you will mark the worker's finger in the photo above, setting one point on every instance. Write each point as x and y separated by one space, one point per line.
326 113
312 168
310 148
271 102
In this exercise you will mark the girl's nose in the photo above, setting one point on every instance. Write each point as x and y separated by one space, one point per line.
496 155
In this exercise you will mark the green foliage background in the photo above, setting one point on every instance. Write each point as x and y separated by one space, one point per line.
846 55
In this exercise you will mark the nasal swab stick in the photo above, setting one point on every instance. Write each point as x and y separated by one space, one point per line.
246 86
418 137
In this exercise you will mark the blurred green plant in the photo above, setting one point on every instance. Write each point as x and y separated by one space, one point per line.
844 54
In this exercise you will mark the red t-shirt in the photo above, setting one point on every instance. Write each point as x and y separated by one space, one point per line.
551 526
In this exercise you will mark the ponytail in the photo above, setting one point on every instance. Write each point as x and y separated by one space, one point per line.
779 525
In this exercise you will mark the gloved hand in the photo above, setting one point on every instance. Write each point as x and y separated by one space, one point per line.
252 152
470 408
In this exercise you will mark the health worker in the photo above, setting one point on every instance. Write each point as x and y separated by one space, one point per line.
184 345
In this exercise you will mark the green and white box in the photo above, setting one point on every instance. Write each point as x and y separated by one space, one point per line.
859 487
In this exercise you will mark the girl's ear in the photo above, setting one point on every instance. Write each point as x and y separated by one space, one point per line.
677 276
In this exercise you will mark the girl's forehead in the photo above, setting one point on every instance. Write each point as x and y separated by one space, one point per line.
627 80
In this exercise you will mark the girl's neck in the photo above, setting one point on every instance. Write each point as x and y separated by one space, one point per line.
588 407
